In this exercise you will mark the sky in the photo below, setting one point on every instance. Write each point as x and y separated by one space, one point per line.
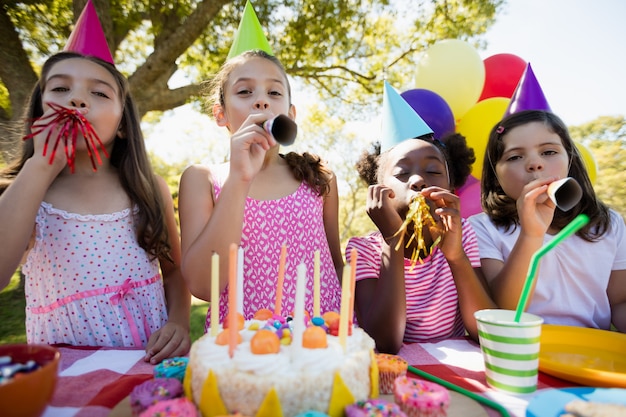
577 50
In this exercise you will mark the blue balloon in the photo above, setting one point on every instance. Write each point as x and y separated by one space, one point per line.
433 109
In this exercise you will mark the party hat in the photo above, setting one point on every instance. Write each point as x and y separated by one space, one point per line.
399 120
249 34
88 38
528 94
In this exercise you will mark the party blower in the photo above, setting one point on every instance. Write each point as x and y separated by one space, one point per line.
282 128
565 193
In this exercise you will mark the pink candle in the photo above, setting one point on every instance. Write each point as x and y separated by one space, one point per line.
316 284
215 294
353 256
281 280
232 300
345 306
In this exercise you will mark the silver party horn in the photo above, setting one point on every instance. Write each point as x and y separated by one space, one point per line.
282 128
565 193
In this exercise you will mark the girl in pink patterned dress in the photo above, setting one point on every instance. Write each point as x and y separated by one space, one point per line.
261 199
97 237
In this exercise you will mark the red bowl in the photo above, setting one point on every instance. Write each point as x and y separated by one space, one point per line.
28 395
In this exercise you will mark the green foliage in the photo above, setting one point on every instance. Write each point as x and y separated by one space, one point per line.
13 313
605 137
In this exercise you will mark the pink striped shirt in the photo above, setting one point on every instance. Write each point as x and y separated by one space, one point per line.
432 302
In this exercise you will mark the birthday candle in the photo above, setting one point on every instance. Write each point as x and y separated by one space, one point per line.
281 280
316 284
240 280
298 314
353 256
215 295
232 300
345 306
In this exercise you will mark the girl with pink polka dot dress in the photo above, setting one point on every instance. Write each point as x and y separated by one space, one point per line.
92 224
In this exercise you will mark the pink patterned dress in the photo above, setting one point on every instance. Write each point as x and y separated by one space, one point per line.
296 221
89 283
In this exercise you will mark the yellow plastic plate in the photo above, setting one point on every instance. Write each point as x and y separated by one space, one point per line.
586 356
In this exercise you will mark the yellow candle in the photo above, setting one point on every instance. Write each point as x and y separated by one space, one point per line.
215 294
353 256
345 306
232 300
316 284
281 280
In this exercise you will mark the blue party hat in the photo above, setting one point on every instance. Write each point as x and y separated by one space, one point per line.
528 94
399 120
249 34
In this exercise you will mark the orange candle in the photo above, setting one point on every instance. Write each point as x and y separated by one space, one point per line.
345 307
281 280
353 256
232 300
215 294
316 284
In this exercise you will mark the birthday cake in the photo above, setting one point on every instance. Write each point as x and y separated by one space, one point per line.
270 375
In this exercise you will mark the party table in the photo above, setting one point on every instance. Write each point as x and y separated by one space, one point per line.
94 381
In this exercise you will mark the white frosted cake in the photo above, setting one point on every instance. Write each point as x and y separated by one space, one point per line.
291 381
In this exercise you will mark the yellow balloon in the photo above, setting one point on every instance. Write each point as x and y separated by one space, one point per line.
453 69
589 160
477 124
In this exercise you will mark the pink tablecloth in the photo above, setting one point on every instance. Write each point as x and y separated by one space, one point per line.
92 381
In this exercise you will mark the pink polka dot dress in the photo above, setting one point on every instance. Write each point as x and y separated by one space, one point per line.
295 220
89 283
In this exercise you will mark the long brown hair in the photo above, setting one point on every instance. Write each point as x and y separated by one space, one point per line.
502 209
128 156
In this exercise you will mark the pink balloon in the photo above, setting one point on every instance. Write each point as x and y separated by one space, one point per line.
469 194
502 74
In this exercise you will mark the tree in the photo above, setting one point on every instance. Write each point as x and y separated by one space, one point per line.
343 48
605 137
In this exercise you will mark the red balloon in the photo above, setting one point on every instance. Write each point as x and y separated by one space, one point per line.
502 74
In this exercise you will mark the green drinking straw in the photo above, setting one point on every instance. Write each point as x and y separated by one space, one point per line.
573 226
479 398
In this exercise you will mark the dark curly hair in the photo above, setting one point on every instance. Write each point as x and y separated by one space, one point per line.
502 209
459 159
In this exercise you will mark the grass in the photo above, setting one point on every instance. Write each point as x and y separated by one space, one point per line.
13 314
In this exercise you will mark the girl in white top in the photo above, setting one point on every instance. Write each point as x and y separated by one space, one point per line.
581 281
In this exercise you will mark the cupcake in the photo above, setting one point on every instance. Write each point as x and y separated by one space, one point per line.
152 391
312 413
176 407
172 368
374 408
419 398
389 368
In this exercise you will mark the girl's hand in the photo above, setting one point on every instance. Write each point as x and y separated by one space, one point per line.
380 209
50 133
535 209
448 215
169 341
248 146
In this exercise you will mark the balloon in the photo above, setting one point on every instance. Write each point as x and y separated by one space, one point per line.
433 109
477 124
469 194
589 160
502 73
453 69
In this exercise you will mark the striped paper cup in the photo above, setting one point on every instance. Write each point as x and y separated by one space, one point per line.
510 349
